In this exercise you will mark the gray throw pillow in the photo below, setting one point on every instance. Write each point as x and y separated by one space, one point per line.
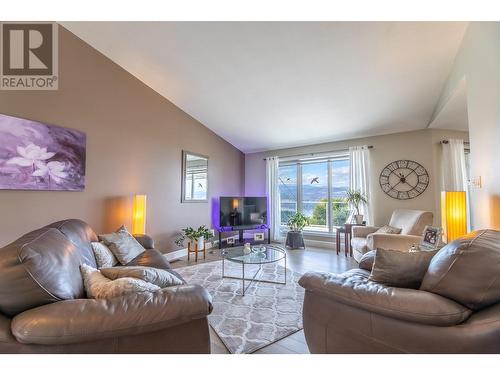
366 261
400 269
100 287
161 278
103 255
123 245
389 230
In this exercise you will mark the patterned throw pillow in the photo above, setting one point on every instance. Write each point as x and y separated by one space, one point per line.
103 256
389 230
100 287
161 278
123 245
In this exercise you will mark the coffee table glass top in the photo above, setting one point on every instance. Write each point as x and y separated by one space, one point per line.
260 254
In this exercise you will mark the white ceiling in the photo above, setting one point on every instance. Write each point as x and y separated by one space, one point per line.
271 85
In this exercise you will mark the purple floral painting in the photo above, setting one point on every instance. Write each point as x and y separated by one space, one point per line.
38 156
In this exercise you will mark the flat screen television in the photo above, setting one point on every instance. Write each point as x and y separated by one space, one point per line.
243 212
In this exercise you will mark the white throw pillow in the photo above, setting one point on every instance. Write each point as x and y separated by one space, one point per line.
103 255
161 278
100 287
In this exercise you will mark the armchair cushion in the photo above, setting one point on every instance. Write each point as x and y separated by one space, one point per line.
80 320
400 269
389 230
401 242
354 289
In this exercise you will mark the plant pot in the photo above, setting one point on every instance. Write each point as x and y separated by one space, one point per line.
358 219
201 242
295 240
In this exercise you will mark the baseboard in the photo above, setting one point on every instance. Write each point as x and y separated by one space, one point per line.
323 244
174 255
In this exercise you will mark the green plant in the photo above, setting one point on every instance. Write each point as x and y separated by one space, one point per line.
355 198
193 235
297 222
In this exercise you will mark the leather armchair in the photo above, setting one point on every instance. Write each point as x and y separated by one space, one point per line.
43 308
411 222
455 310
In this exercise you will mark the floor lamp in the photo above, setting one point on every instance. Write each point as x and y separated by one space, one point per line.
454 214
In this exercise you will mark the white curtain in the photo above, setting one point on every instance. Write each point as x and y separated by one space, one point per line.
273 196
359 173
454 171
453 166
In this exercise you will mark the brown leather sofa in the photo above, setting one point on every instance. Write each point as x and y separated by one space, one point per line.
456 309
43 308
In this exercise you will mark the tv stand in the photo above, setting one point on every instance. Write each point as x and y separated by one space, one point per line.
241 239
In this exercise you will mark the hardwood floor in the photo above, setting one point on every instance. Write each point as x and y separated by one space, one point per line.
310 259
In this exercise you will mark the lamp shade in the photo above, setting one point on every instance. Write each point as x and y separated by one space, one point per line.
454 214
139 218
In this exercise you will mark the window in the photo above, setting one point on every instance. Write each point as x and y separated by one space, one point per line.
316 188
288 192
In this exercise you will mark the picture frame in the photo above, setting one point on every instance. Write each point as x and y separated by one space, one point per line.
258 236
431 238
230 240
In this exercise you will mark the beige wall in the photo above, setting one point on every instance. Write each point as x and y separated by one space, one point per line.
478 61
134 143
422 146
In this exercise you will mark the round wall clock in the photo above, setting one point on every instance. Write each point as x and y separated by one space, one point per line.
404 179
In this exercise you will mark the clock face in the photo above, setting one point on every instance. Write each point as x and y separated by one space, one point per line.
404 179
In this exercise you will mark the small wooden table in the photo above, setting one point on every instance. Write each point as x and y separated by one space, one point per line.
195 250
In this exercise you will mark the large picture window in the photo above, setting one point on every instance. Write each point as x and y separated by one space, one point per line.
316 188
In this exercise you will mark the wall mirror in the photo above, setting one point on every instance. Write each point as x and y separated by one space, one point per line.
194 177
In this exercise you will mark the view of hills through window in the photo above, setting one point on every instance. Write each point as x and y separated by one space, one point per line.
305 187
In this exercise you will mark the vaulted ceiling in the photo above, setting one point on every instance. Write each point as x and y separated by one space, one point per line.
267 85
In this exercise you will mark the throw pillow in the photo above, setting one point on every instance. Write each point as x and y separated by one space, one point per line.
100 287
400 269
123 245
103 256
389 230
366 261
161 278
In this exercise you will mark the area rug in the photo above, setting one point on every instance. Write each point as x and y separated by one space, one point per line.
267 312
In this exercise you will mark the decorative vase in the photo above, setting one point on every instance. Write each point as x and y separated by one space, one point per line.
358 219
201 242
247 248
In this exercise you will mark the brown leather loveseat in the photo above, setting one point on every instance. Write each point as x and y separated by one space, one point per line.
456 309
43 308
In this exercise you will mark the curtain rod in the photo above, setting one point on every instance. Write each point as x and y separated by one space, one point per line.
312 154
445 141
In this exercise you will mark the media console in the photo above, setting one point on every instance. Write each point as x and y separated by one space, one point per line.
241 230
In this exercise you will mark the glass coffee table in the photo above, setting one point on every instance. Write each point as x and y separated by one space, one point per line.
260 255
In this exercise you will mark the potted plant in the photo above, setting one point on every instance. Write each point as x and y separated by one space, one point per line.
296 224
355 198
197 236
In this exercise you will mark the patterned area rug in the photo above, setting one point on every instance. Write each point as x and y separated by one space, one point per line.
267 312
